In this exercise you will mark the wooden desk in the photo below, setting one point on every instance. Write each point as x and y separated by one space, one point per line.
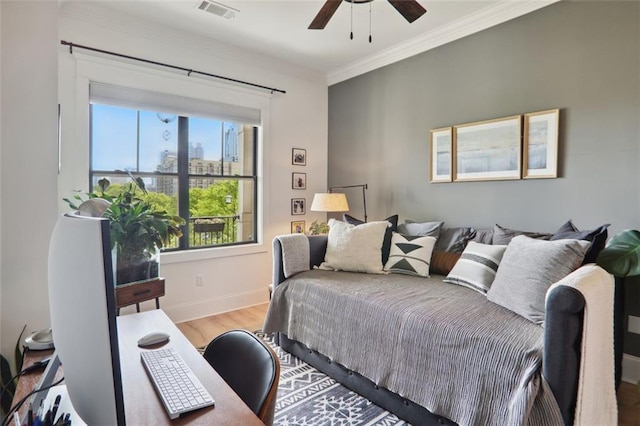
142 405
29 381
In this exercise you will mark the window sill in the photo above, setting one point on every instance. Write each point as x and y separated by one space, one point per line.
211 253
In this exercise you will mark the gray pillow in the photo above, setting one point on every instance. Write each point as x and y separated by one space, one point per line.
527 270
420 229
505 235
454 239
483 236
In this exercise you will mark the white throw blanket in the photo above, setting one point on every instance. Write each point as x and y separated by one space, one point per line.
295 253
596 401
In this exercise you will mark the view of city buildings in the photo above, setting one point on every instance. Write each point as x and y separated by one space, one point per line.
227 165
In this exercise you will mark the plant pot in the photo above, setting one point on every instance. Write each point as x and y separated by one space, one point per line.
141 267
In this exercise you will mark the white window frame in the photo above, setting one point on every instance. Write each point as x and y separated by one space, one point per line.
74 145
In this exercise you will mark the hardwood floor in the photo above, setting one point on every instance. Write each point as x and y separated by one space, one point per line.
202 331
628 405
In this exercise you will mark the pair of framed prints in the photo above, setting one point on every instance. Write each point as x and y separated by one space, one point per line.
497 149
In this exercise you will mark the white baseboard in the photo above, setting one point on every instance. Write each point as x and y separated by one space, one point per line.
630 368
214 306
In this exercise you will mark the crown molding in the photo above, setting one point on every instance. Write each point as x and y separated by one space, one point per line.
128 25
470 24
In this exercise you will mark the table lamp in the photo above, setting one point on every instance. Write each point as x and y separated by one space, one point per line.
337 201
330 202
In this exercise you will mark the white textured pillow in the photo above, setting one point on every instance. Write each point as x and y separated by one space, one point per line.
354 248
410 255
477 266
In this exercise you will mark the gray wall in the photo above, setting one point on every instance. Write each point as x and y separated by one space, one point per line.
581 57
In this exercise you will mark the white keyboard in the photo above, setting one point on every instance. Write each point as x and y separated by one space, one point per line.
175 383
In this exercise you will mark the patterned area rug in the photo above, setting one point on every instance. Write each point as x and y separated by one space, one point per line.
308 397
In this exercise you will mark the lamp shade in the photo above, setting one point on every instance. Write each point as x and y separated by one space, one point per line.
330 202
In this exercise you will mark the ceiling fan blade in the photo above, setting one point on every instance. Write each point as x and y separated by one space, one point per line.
325 14
410 9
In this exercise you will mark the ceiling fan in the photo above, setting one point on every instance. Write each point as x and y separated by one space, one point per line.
409 9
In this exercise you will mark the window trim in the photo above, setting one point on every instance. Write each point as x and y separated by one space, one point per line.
81 69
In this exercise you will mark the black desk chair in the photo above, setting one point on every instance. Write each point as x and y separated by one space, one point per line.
250 367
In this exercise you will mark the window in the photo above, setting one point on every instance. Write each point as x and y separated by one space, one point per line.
202 169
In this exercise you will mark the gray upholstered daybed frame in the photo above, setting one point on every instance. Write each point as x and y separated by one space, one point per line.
561 354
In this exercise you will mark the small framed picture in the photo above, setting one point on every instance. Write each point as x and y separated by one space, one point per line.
299 157
299 180
298 206
297 227
440 146
540 150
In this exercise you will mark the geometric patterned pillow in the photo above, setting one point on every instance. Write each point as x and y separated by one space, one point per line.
410 255
477 266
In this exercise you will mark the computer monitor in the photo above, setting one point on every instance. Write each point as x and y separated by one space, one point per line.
83 317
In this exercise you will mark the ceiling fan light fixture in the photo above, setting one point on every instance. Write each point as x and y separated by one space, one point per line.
409 9
217 9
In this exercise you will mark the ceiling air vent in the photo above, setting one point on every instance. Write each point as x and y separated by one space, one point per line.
217 9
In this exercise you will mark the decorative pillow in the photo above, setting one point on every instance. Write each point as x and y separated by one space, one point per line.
477 266
483 236
527 270
423 229
454 239
442 262
505 235
410 255
386 246
598 238
354 248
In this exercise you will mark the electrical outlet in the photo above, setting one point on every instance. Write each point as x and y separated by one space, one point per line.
199 280
634 324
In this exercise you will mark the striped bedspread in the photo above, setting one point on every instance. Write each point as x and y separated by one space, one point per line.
440 345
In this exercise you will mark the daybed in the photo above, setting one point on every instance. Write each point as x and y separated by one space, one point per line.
433 352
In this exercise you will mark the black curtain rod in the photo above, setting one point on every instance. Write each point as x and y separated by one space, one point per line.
175 67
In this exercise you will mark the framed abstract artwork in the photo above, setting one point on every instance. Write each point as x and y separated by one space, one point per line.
440 147
540 146
487 150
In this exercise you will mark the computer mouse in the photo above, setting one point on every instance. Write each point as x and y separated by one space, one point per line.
153 338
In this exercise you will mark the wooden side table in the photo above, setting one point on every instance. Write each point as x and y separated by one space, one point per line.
128 294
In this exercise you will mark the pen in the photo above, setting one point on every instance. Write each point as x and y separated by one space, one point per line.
60 420
54 410
30 415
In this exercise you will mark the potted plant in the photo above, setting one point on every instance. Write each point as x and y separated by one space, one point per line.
318 228
621 258
138 230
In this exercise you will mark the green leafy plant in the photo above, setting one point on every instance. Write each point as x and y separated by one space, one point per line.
318 228
137 228
621 256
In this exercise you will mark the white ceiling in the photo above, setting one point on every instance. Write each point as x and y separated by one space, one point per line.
278 28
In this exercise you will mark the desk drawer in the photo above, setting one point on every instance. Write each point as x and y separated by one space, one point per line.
129 294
